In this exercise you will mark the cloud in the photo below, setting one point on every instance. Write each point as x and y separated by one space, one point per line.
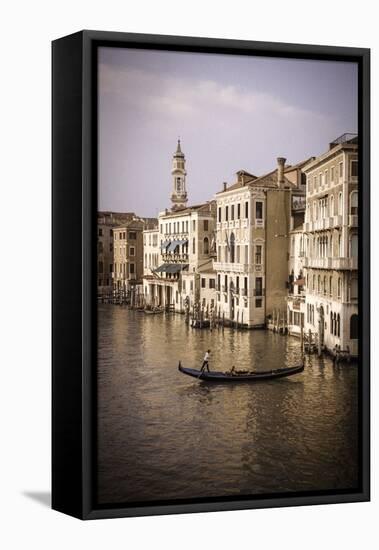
165 96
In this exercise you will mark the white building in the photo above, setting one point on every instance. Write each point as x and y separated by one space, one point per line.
253 224
296 283
331 230
186 250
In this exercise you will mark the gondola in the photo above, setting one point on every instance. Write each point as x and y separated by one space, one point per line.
153 311
240 376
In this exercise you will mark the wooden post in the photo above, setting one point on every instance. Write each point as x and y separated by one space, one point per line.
302 336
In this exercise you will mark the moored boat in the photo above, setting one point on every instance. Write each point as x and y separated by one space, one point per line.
240 375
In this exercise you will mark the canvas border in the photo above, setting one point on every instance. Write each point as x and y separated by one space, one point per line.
74 402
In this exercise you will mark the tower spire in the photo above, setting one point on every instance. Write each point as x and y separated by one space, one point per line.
179 192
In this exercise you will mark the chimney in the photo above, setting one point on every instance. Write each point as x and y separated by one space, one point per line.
281 162
225 185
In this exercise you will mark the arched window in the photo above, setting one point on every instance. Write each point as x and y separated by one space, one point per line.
324 284
354 245
334 324
339 288
331 285
354 326
331 323
232 248
331 246
338 325
354 203
339 246
206 246
319 284
314 283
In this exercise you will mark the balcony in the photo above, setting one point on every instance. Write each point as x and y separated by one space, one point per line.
243 291
338 220
345 263
232 267
318 263
331 263
175 257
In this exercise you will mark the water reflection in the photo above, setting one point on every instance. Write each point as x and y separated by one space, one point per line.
163 435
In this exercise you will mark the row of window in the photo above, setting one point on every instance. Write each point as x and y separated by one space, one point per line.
233 211
122 251
325 207
228 284
329 175
323 247
211 283
324 285
181 227
233 253
151 239
205 246
123 269
151 260
121 235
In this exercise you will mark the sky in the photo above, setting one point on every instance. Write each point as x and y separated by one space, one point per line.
230 112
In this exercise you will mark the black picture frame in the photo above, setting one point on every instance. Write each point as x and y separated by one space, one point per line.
74 205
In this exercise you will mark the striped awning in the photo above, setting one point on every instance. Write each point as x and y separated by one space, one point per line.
165 244
171 268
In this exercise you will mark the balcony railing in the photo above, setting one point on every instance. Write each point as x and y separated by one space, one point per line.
331 263
232 267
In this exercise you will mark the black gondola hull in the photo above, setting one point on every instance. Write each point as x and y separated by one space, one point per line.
218 376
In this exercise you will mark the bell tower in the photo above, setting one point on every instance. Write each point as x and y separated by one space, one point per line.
179 192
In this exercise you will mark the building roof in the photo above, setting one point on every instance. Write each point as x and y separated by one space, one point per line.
268 180
205 207
346 141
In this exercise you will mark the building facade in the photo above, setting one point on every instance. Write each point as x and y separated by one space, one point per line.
128 255
106 222
296 283
186 238
185 250
254 218
331 246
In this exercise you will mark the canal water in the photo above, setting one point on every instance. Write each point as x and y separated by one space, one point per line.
164 435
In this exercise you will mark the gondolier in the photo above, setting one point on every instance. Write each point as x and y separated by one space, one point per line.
205 364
